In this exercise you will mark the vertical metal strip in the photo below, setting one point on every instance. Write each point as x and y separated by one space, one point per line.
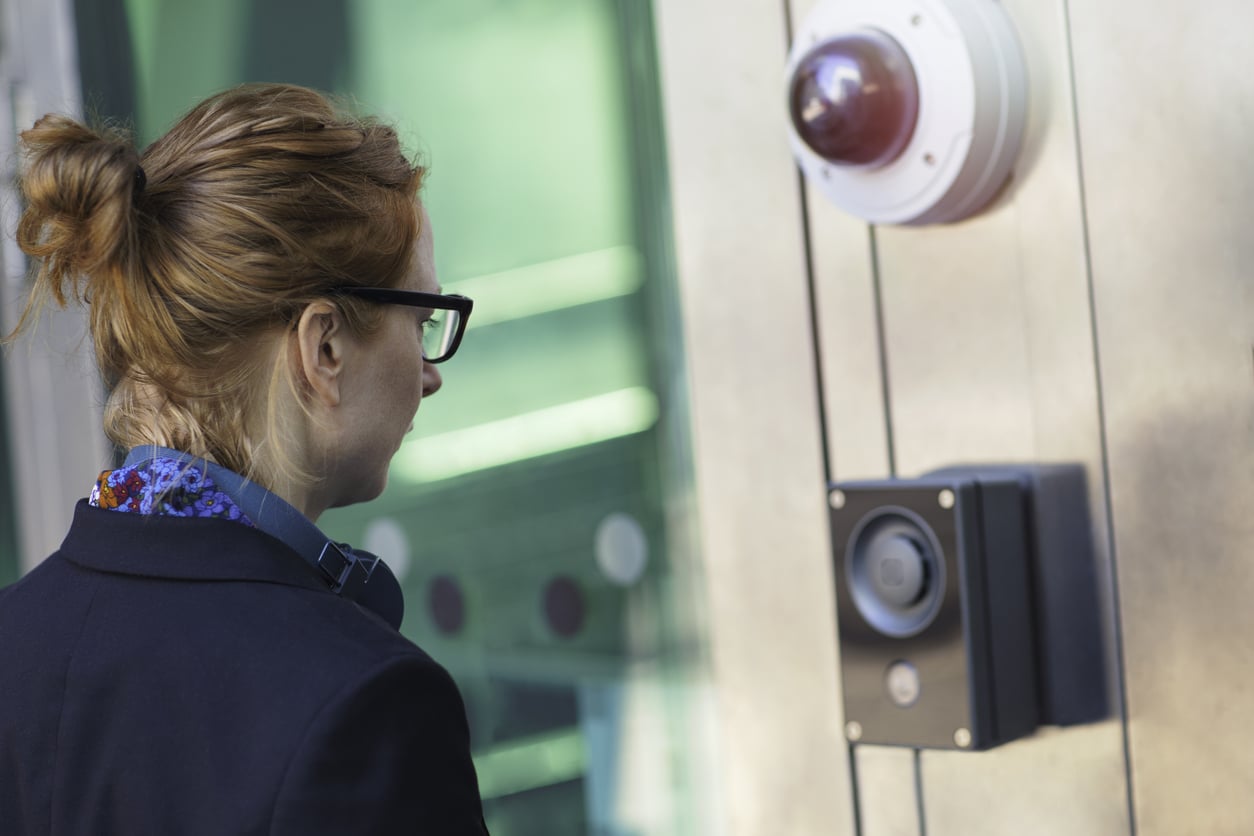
1101 428
854 794
828 465
881 336
918 791
808 251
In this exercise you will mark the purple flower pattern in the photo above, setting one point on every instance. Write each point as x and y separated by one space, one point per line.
164 486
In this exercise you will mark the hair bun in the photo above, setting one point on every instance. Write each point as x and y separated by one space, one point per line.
79 185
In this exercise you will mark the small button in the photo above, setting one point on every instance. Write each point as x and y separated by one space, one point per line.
902 683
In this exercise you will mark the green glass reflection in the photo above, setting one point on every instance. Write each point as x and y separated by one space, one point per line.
539 122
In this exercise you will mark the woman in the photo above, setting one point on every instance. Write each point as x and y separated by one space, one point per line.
198 658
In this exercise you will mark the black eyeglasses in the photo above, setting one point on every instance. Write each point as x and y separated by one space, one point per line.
441 335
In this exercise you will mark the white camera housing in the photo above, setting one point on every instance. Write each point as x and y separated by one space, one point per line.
972 103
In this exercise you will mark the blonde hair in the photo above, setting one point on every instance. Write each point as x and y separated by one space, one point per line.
259 201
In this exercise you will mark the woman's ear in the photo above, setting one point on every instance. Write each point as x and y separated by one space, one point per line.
320 342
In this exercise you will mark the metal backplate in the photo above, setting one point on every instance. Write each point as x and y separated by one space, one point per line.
983 342
939 652
1169 218
988 356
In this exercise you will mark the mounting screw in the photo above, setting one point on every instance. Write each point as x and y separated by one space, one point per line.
962 737
946 499
853 730
836 499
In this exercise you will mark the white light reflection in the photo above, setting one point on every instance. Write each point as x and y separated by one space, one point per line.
526 436
551 285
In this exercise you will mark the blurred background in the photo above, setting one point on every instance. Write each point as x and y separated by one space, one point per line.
612 524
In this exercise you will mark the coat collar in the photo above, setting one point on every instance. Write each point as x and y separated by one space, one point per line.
354 574
183 549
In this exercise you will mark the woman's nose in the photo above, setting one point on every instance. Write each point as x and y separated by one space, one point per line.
432 380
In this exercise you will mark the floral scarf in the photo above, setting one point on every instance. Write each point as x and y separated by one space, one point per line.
164 486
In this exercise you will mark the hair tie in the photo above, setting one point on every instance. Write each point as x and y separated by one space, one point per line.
141 180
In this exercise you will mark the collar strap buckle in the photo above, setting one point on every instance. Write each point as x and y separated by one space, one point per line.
347 573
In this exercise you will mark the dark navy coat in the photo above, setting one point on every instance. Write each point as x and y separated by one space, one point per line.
177 677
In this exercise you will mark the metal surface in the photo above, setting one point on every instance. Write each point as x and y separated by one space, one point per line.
757 442
53 392
886 792
989 358
1169 211
1044 774
983 342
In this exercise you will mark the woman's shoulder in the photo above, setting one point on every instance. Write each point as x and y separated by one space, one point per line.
389 752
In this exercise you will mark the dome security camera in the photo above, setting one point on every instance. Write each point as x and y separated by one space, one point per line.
907 111
854 99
